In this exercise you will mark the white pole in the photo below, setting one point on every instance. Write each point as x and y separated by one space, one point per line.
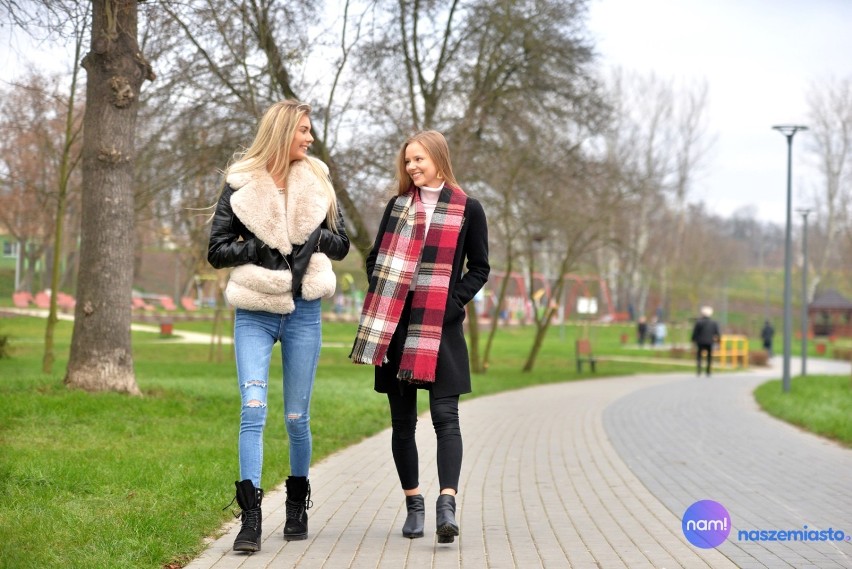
19 265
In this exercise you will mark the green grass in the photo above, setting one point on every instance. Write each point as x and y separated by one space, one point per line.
107 480
820 404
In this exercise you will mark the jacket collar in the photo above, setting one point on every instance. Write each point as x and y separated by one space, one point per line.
280 221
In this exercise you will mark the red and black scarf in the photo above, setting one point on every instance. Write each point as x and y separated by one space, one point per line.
402 246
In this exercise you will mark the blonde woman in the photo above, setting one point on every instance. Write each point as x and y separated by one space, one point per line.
277 225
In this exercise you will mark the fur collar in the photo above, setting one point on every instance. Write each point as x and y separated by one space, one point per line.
280 221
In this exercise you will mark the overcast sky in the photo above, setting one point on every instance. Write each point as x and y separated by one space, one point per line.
759 58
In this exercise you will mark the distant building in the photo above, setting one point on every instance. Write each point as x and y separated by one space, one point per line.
830 314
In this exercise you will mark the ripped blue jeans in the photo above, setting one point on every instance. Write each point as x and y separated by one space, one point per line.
255 334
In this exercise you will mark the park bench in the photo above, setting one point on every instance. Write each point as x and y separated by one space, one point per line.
583 354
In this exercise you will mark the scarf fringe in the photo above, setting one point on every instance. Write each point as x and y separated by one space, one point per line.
408 376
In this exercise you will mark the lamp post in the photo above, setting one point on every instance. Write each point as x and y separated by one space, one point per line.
804 213
788 131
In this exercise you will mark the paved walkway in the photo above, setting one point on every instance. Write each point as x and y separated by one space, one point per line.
584 474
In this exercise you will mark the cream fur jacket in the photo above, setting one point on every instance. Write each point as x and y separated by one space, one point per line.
274 241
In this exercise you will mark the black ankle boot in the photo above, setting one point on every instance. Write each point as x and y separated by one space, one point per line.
413 526
445 514
249 499
298 501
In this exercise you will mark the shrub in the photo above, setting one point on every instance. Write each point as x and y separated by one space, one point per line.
843 354
758 358
681 353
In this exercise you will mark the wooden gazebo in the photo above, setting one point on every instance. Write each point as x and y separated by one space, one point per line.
830 314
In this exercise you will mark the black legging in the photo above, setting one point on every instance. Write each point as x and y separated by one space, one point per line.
445 420
704 348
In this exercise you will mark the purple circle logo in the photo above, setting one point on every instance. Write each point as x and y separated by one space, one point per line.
706 524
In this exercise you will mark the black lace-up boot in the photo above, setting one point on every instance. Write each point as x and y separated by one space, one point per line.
413 526
297 504
445 515
248 499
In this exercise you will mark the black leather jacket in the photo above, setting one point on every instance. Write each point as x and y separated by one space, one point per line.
232 244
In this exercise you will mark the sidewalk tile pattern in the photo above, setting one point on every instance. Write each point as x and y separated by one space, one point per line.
705 438
541 486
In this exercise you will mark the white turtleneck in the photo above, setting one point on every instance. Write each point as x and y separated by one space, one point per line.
429 198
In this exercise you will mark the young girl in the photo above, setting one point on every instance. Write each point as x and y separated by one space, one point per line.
411 324
277 224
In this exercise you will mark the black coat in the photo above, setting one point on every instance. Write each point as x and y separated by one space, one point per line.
705 332
452 376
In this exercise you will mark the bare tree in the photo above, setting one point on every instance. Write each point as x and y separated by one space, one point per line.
830 105
639 140
659 139
28 131
507 174
68 159
571 217
711 256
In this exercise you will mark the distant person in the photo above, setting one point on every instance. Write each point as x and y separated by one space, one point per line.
705 333
660 332
652 332
641 331
766 334
504 314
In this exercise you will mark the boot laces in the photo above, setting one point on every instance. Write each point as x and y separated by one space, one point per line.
251 518
236 514
295 508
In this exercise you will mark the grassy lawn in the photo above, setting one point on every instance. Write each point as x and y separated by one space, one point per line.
106 480
820 404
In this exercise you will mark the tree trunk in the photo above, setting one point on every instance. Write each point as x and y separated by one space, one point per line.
101 357
543 324
501 298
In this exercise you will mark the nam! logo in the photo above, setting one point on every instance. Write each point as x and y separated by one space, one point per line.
706 524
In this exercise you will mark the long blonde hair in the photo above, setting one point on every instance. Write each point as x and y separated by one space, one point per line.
436 147
270 150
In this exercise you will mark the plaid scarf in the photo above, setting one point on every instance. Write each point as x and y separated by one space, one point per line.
402 246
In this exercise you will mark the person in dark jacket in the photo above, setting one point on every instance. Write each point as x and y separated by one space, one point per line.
429 259
277 226
766 334
705 333
641 331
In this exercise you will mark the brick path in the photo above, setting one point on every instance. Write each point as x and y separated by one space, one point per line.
584 474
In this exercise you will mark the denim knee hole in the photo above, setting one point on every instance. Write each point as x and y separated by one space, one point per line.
254 393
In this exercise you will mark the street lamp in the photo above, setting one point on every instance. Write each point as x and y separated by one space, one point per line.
804 213
788 131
